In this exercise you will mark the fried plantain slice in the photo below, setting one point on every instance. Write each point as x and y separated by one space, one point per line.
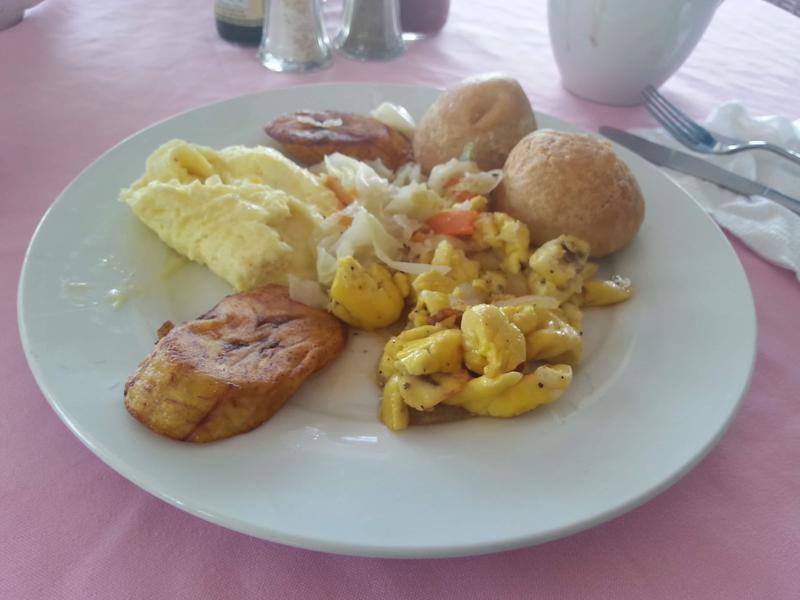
308 136
232 368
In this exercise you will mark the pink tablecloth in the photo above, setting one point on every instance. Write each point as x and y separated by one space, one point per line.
76 77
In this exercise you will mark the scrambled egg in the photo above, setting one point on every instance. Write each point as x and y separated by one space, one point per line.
249 214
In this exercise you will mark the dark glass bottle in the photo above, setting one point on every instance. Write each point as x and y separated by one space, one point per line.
240 21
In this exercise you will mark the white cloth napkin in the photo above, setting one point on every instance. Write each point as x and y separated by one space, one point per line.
768 228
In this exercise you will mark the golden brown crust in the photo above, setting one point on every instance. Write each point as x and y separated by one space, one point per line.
490 111
232 368
567 183
309 136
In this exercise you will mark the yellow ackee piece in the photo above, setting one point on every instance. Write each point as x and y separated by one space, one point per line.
491 283
432 289
557 267
478 203
572 314
424 393
422 350
555 339
512 394
433 302
435 281
610 291
367 298
428 304
492 344
403 283
523 316
386 367
440 352
419 317
462 269
480 389
590 270
507 236
394 412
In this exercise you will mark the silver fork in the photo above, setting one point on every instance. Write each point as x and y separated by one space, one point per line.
698 138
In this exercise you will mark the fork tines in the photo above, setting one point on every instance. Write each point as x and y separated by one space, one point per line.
677 123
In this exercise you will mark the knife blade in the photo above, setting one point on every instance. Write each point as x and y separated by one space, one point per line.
697 167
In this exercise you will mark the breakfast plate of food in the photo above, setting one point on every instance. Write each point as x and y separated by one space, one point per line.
387 320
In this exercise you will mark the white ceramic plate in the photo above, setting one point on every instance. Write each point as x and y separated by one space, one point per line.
662 376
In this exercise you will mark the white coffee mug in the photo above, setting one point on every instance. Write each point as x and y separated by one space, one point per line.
609 50
12 11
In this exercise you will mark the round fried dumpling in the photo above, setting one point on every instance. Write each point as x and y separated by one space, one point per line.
561 183
485 115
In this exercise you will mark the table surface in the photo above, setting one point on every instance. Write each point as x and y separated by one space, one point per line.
79 76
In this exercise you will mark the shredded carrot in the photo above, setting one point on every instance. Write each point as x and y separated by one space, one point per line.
445 313
337 188
451 182
419 235
454 222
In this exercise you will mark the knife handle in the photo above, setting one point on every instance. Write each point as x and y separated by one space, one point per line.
782 199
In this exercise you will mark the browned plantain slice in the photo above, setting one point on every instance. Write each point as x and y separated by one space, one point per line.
308 137
232 368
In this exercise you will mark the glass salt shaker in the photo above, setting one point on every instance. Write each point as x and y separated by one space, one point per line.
370 30
294 39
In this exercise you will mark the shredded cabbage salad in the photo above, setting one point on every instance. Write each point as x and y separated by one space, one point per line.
382 210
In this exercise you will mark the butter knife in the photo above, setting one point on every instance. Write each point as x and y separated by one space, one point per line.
697 167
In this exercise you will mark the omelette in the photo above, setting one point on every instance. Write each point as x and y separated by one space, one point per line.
248 214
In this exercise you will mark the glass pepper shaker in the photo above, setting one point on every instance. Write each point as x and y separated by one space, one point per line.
370 30
294 39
